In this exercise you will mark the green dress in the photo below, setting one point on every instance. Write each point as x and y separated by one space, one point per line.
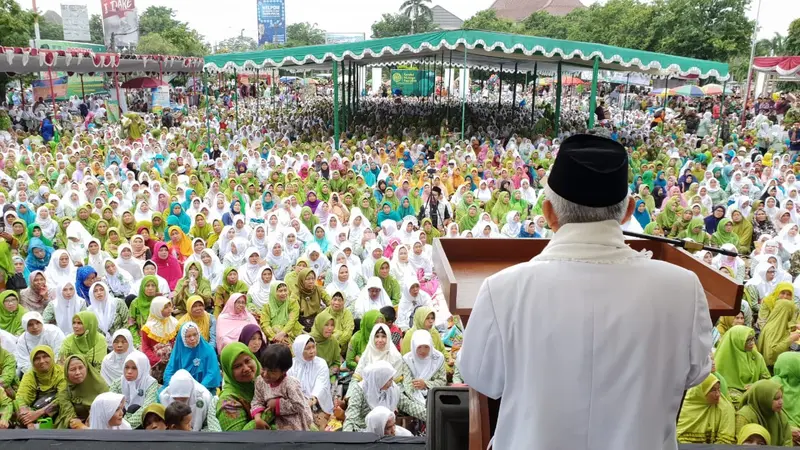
233 408
757 408
90 346
280 316
76 400
419 322
703 423
739 367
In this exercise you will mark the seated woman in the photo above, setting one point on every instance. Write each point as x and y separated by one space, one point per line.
206 322
311 297
154 417
763 405
158 335
376 389
358 343
280 317
343 319
193 354
67 303
84 383
258 293
706 417
140 306
413 298
423 368
107 411
312 372
183 388
424 318
776 337
231 284
112 313
85 340
253 337
382 270
11 313
36 333
233 318
787 374
240 369
39 387
119 281
381 421
192 283
738 363
783 291
753 434
8 364
379 348
121 346
38 293
137 386
327 347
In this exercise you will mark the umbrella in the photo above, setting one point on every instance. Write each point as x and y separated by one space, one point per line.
714 89
689 90
660 91
143 83
565 81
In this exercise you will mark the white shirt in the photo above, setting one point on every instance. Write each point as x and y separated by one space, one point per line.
607 365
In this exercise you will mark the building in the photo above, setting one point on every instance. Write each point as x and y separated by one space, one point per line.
444 19
518 10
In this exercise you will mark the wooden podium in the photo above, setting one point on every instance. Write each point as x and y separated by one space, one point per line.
463 264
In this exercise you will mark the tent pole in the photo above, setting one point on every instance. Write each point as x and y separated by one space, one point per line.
514 88
593 96
344 95
52 92
207 86
500 87
533 94
464 88
258 107
722 110
625 98
664 112
236 87
83 92
557 120
335 79
449 85
116 87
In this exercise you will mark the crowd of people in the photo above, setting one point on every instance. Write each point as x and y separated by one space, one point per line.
236 271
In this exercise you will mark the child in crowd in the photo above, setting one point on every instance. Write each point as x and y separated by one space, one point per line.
390 315
153 417
279 402
178 416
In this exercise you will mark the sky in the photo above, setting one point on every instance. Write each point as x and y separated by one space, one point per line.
218 20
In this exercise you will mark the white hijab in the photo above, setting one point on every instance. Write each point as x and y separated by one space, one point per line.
372 354
348 288
374 376
364 303
182 385
136 390
103 409
65 308
105 310
113 364
423 368
259 291
313 375
51 336
55 274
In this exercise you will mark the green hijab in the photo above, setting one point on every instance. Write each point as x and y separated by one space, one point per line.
694 223
51 379
702 422
721 237
278 310
312 221
92 386
143 301
327 348
776 330
420 315
740 368
787 374
232 388
757 408
85 343
309 299
11 321
367 323
668 217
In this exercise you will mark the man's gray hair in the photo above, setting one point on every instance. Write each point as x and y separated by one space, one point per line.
569 212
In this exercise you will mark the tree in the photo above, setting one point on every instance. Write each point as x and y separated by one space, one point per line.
487 20
304 33
155 44
96 29
400 25
792 42
49 30
157 19
16 25
161 20
415 9
771 47
237 44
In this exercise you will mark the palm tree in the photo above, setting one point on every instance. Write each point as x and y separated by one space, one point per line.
414 9
771 47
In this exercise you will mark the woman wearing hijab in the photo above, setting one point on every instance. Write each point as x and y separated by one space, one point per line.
206 322
787 374
231 284
107 411
84 278
178 217
233 318
60 269
706 416
743 228
424 319
84 384
379 348
712 221
184 388
422 369
258 294
67 303
85 340
783 291
311 297
370 393
168 266
113 364
39 388
38 294
193 354
775 337
343 319
738 362
725 234
240 369
280 317
112 313
193 283
179 244
312 372
158 333
763 405
38 255
11 313
327 347
358 343
381 421
253 337
36 333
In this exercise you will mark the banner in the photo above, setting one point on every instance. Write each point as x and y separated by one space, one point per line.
412 83
121 22
342 38
41 88
160 99
94 84
271 16
112 111
75 20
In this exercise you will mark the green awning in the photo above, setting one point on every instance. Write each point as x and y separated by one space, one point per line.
485 50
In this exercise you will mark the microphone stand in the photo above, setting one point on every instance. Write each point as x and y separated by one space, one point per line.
686 245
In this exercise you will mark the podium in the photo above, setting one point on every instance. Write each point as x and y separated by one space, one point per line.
463 264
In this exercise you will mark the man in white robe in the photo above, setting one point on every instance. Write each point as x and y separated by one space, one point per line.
590 344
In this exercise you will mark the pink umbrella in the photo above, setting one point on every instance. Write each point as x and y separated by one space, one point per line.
143 83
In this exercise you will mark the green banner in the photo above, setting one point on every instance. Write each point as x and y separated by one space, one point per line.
413 83
91 85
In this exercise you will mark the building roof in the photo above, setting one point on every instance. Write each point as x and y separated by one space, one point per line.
444 19
520 9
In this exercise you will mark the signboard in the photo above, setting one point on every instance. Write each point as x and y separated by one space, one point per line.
271 16
94 84
121 22
41 88
160 99
342 38
75 19
112 111
412 83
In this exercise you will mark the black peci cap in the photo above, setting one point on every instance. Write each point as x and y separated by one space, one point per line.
590 170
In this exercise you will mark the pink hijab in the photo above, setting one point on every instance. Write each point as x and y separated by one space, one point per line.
230 324
170 268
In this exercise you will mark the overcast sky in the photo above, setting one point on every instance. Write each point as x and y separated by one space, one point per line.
217 20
